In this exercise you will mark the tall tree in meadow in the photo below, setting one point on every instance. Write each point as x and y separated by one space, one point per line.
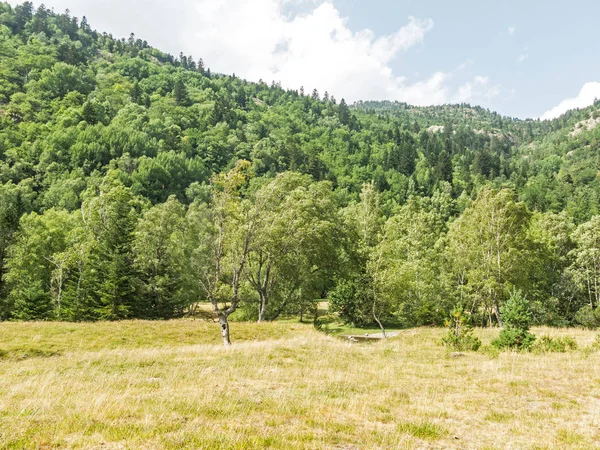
295 250
221 235
556 298
489 251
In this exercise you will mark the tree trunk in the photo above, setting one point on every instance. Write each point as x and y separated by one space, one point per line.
224 324
497 314
377 319
262 307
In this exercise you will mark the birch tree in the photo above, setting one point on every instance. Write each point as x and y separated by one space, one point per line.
221 234
295 250
356 297
408 265
586 265
488 250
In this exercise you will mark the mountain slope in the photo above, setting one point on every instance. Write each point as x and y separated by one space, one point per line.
102 139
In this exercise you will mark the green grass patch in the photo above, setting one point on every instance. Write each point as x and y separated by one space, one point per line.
423 430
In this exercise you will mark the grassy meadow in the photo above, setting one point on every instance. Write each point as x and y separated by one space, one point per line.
154 385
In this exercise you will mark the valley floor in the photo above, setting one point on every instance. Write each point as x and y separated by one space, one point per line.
154 385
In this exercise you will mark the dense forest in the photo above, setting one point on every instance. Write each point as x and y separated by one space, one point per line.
135 184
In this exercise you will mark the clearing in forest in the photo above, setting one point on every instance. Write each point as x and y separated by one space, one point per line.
155 385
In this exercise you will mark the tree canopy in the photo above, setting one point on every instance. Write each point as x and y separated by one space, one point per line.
135 184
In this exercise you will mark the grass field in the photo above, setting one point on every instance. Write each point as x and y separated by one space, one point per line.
154 385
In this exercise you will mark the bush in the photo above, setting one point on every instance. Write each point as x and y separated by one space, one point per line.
514 338
588 317
352 300
490 351
459 335
517 320
559 344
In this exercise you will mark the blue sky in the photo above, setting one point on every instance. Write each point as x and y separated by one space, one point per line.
539 52
522 58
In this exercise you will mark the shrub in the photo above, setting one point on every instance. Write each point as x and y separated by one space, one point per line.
514 338
588 317
559 344
351 299
459 336
491 351
517 320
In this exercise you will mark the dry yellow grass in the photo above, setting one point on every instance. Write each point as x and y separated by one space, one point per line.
144 385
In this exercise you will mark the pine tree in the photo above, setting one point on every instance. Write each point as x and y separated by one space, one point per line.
343 112
180 92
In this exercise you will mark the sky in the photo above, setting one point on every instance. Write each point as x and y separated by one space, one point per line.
522 58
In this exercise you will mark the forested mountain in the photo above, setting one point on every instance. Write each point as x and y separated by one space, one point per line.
134 184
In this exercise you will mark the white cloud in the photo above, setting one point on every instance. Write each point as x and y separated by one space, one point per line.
522 57
315 50
511 31
477 89
259 39
464 65
589 92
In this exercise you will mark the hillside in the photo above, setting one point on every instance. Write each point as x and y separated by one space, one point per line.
129 176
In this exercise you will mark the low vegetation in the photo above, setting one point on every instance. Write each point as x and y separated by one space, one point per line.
517 321
138 384
460 333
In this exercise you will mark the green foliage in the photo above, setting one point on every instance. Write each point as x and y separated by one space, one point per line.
407 269
352 300
161 261
588 317
517 320
513 338
558 344
586 261
460 334
516 313
489 250
31 263
120 176
295 248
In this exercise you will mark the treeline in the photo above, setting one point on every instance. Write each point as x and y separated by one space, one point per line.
120 257
273 248
134 184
